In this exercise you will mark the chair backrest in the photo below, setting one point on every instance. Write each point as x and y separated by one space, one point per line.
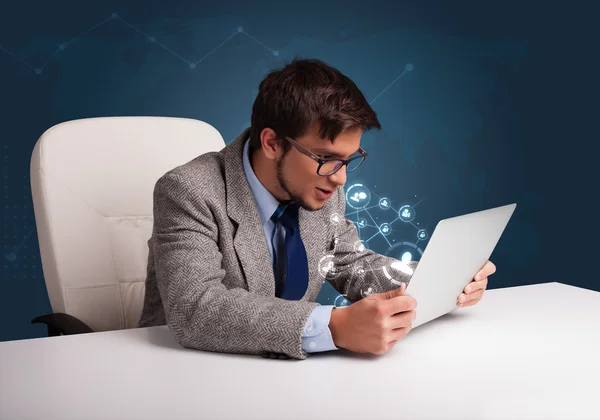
92 183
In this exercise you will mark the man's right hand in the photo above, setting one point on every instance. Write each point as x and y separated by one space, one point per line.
375 323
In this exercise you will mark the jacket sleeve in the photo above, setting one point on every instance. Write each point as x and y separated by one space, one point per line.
199 310
358 271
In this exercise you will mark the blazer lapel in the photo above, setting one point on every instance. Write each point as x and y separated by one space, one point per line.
249 239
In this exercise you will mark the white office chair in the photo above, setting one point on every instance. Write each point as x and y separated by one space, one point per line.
92 183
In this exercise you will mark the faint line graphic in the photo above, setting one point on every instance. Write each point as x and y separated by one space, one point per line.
408 67
13 255
114 16
381 229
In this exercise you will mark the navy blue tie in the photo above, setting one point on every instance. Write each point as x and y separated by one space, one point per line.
296 261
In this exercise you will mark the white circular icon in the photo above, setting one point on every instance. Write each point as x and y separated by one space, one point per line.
327 267
406 213
358 196
359 247
385 228
384 203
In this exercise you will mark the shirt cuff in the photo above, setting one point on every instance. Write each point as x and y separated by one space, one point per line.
316 336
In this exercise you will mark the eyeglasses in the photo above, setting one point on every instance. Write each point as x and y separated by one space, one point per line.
328 167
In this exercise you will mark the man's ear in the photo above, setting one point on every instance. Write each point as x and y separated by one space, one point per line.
272 146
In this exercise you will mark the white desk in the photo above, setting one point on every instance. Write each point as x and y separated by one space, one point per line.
529 352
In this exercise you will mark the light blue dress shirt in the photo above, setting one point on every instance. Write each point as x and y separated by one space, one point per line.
316 335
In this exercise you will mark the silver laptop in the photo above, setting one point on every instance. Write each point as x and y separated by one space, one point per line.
458 248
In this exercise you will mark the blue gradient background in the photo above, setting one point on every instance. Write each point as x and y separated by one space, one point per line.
494 110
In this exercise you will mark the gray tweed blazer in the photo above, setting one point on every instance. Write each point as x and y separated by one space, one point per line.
209 273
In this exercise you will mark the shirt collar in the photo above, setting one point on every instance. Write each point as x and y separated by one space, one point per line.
265 202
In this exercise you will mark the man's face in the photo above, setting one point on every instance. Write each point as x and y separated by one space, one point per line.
297 173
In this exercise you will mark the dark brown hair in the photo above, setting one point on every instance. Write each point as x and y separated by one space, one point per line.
307 92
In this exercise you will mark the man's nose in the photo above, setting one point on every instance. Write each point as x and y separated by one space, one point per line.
339 177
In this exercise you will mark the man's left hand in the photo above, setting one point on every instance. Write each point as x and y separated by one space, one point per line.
473 292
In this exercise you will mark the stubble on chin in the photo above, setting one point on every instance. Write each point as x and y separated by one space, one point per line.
293 196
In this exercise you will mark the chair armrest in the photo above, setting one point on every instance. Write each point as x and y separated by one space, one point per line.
60 323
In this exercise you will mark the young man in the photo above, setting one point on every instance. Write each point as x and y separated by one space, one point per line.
244 238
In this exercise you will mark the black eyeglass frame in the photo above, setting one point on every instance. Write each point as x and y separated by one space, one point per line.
321 161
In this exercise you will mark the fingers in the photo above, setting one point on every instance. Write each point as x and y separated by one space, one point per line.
391 344
402 320
470 299
401 289
399 333
469 303
398 304
476 285
488 269
395 292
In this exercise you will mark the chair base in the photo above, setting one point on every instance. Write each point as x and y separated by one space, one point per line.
62 324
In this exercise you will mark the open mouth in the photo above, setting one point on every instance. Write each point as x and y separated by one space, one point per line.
324 194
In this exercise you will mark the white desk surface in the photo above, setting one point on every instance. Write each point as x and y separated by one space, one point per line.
527 352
